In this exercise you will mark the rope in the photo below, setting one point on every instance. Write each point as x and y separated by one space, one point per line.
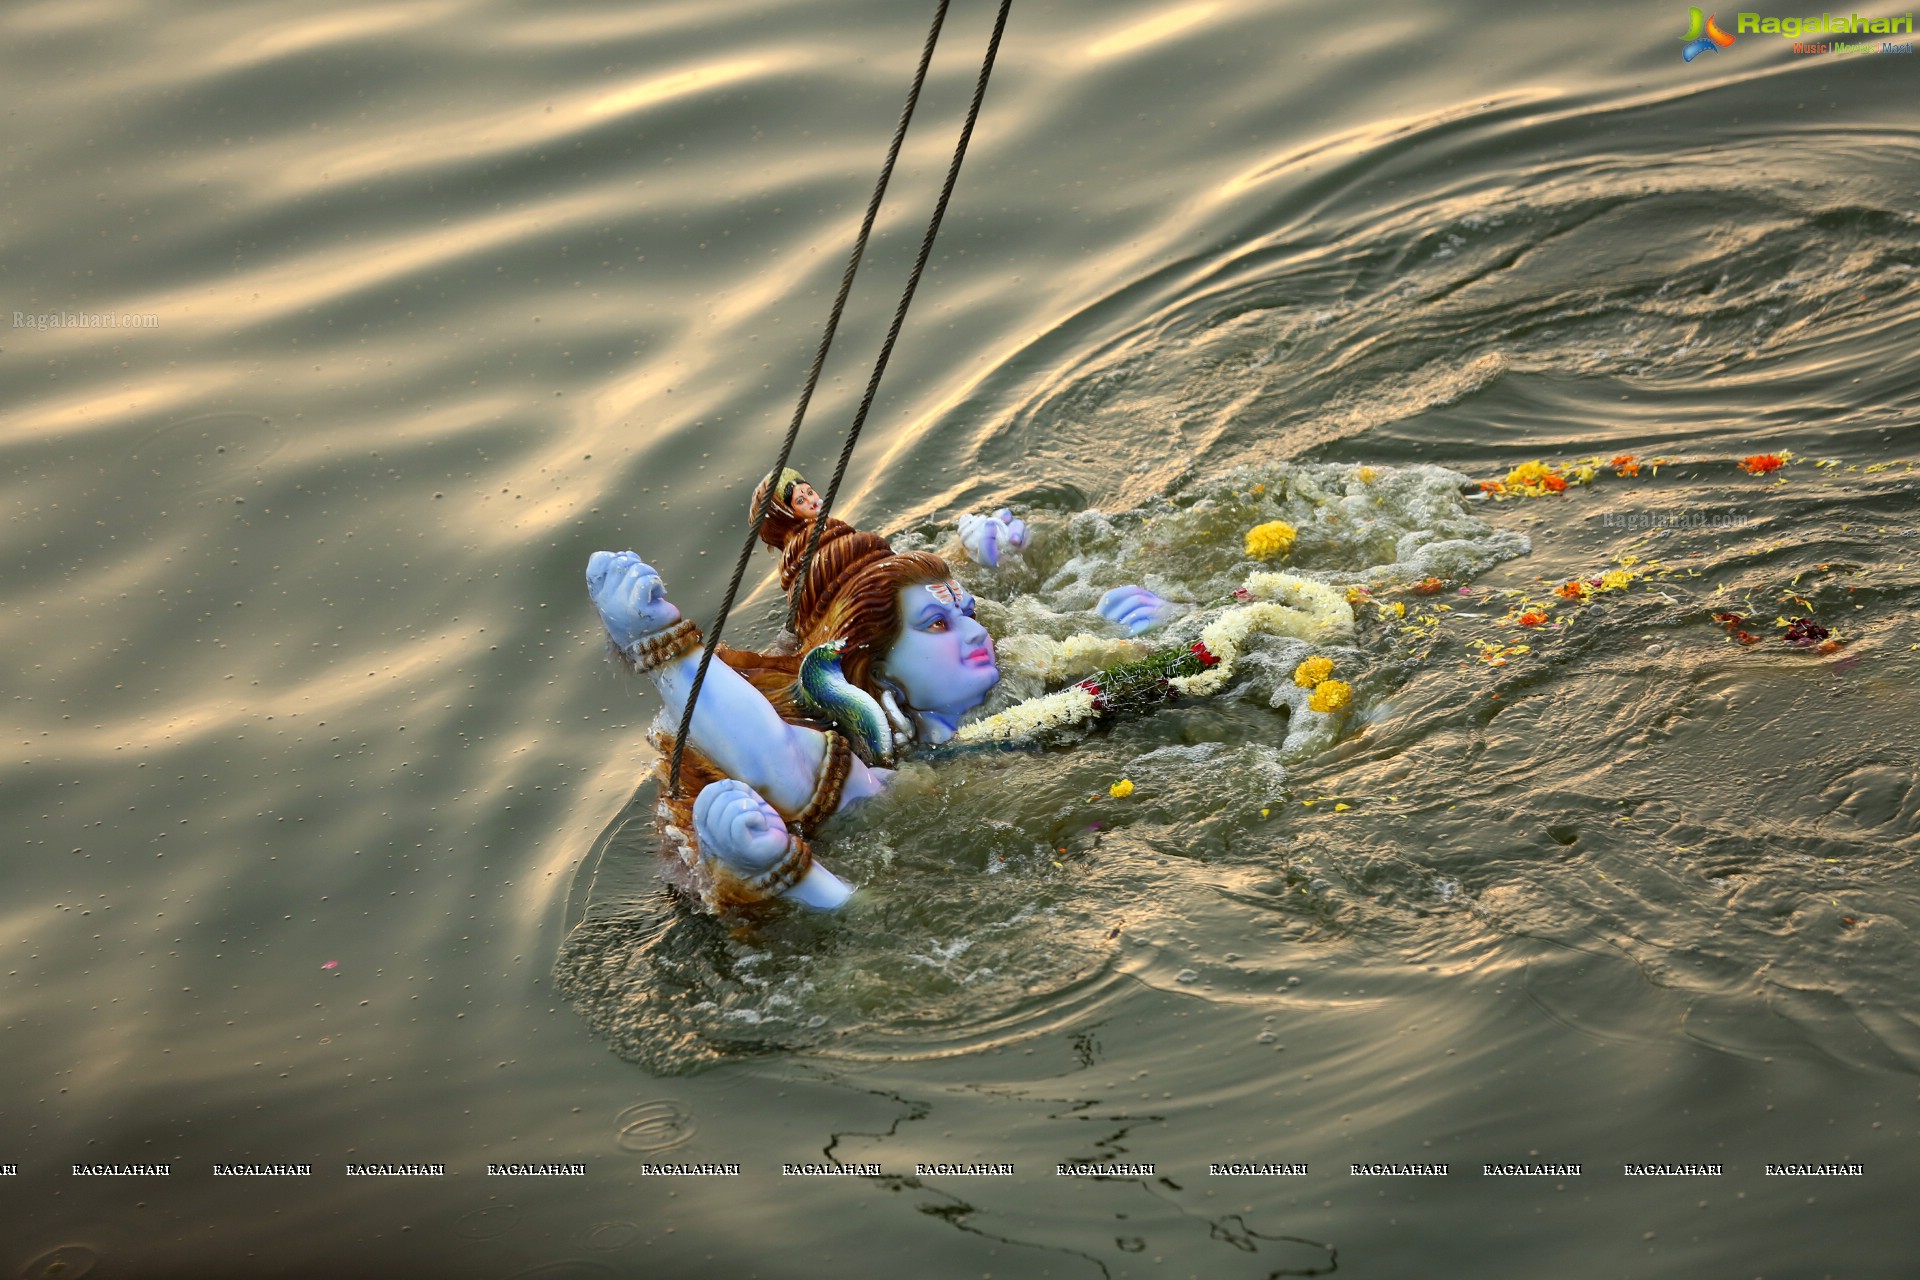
807 390
906 299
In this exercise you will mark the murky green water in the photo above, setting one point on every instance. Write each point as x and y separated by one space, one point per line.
323 801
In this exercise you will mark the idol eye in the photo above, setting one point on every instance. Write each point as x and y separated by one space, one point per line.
936 624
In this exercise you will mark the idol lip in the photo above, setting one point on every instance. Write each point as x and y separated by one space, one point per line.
981 657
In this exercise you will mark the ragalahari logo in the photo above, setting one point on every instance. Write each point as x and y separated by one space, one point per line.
1703 33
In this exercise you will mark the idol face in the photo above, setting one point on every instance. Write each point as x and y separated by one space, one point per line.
942 660
804 501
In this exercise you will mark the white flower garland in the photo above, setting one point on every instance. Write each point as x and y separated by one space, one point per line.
1282 604
1077 655
1287 606
1069 706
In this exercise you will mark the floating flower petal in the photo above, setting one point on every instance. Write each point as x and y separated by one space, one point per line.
1760 464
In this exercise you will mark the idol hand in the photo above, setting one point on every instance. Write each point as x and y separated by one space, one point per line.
628 593
987 538
742 830
1137 609
738 827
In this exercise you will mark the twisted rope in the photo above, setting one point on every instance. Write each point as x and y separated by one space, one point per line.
906 299
826 341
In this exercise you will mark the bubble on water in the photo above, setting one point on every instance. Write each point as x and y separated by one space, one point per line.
612 1235
653 1126
64 1263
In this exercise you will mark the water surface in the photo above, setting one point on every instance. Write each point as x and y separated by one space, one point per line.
317 770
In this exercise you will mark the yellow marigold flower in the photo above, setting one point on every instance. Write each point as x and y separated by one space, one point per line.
1312 671
1330 695
1538 479
1615 579
1121 789
1274 538
1367 475
1529 473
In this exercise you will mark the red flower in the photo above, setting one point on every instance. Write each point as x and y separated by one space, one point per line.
1096 693
1805 633
1761 463
1554 484
1201 652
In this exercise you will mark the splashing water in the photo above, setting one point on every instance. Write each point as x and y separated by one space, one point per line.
995 885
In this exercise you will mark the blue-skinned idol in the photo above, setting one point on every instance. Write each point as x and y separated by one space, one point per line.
888 654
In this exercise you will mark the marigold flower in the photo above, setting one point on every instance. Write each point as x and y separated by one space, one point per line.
1429 587
1274 538
1312 671
1624 465
1492 486
1761 463
1330 695
1615 579
1528 473
1532 618
1575 590
1367 475
1121 789
1553 484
